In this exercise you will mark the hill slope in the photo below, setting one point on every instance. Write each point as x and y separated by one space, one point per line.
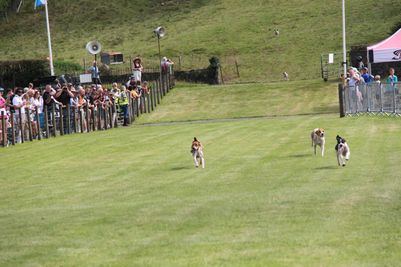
196 30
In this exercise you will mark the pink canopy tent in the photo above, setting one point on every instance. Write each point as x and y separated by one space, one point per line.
388 50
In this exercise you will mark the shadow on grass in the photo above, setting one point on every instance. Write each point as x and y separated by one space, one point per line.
299 155
331 167
179 168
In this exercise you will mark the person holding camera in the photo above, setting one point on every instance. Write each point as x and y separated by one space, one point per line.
64 96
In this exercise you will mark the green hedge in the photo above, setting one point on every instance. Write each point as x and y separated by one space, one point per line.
21 72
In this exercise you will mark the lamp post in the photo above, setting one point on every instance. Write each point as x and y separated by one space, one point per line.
160 32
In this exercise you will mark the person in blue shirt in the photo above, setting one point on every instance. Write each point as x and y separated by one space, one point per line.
367 77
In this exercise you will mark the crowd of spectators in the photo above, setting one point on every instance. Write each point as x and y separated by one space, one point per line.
367 92
67 101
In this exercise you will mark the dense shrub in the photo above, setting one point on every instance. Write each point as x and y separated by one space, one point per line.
209 75
21 72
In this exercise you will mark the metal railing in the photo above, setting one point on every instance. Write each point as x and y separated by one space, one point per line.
25 124
373 98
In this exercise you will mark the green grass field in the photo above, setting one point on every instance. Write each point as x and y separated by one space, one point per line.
132 197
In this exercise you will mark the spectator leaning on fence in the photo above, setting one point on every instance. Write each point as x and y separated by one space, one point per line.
19 106
392 80
64 95
353 77
3 116
38 104
123 103
367 77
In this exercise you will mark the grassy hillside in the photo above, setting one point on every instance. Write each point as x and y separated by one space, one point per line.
200 102
132 197
196 30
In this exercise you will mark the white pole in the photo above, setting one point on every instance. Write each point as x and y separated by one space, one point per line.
344 43
49 41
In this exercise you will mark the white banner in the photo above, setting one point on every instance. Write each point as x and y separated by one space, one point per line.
386 55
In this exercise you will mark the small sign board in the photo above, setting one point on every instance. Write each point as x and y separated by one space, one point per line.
85 78
331 58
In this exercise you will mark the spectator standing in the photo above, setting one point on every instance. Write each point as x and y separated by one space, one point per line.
137 69
166 65
131 83
3 116
64 96
353 83
95 73
48 102
19 105
392 80
2 102
38 104
367 77
123 103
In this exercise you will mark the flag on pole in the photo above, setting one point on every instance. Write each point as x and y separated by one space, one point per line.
39 3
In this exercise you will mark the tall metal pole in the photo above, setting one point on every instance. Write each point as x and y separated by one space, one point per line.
344 43
49 41
160 57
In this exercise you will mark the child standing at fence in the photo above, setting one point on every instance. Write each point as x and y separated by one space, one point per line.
392 80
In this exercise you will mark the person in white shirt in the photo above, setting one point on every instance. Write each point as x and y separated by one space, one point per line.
19 117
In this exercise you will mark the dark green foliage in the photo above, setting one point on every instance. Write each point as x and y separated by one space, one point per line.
209 75
20 73
213 70
396 27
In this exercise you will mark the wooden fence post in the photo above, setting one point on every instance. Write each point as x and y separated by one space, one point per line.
341 99
54 122
38 129
61 121
12 128
81 124
28 118
3 129
105 112
21 130
93 119
46 118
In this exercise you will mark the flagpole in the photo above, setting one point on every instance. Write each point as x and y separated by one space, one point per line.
49 41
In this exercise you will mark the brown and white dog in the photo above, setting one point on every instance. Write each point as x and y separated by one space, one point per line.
197 153
342 150
318 139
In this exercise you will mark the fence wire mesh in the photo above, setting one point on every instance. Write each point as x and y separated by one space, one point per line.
373 98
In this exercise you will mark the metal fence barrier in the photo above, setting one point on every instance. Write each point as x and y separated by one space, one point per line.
28 125
371 99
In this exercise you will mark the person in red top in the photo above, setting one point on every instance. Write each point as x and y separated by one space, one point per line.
3 117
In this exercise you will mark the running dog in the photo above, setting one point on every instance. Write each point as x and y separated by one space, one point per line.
342 150
318 139
197 153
